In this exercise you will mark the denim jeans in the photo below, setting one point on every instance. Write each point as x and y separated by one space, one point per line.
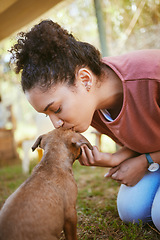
142 201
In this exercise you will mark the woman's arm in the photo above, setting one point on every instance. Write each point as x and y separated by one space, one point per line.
127 167
132 170
96 158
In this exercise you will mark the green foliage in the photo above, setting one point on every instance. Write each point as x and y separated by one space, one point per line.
120 13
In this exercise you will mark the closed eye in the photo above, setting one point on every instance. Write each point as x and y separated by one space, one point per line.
59 109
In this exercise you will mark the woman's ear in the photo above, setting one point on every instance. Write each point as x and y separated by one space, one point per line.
85 77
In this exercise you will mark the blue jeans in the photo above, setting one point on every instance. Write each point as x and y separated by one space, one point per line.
142 201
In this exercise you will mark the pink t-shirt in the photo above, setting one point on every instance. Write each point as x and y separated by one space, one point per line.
138 124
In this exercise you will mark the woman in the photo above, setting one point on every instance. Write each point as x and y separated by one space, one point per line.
120 96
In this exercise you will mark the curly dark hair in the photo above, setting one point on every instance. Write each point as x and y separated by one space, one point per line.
48 54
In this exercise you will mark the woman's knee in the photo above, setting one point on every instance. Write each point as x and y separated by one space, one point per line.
135 203
132 208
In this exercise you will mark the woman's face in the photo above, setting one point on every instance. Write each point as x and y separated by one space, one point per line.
66 106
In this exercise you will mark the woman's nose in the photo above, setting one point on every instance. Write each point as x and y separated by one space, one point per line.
56 121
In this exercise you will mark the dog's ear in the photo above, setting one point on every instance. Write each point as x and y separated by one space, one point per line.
37 142
81 141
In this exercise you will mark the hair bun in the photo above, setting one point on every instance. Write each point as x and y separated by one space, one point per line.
47 38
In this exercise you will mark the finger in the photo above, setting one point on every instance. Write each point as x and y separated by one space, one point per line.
111 171
115 176
95 152
89 159
84 157
94 155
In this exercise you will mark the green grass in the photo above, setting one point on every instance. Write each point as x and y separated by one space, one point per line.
96 205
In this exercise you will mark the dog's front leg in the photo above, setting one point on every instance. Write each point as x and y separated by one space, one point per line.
70 226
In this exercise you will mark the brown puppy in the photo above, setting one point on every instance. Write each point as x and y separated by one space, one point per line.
45 204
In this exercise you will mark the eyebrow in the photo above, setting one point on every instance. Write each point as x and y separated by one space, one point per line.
45 109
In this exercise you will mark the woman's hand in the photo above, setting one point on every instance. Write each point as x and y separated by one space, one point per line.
96 158
129 172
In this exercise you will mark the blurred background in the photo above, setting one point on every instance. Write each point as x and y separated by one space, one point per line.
114 27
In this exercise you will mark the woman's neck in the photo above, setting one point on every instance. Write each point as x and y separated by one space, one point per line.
110 93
